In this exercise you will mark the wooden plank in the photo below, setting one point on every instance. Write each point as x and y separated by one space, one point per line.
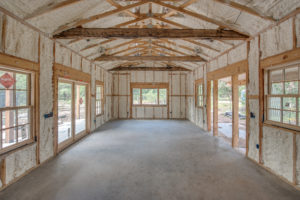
285 57
20 63
113 3
236 68
151 58
235 111
132 33
215 108
69 73
149 69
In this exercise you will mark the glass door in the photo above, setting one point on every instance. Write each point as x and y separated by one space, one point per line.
72 111
80 108
65 109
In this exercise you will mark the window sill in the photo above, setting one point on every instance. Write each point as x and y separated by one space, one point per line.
281 126
100 115
9 150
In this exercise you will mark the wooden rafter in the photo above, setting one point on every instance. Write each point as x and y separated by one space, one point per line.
184 5
128 49
199 16
202 45
50 7
80 22
113 3
128 33
244 9
151 58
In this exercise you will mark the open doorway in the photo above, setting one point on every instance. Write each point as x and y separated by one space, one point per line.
225 109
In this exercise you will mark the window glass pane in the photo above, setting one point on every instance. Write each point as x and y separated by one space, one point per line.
9 137
276 75
8 118
149 96
162 96
200 89
23 116
289 117
7 98
21 98
136 95
200 101
291 87
277 88
21 81
289 103
64 111
23 132
1 74
275 102
299 118
274 115
80 108
98 92
291 74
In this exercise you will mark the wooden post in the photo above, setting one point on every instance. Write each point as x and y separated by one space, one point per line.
215 114
235 111
77 116
208 105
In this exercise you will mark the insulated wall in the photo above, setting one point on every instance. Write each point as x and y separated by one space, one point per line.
20 43
178 94
275 148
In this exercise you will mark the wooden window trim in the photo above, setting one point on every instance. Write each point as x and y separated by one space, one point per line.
101 84
157 86
268 94
31 103
197 83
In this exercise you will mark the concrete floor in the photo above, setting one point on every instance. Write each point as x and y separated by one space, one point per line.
150 160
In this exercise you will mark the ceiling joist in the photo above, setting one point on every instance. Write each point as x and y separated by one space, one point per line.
132 33
151 58
167 68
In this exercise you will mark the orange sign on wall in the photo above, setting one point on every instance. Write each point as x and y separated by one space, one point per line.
7 80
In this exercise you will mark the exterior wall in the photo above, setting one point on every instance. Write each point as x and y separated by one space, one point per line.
176 100
22 42
274 148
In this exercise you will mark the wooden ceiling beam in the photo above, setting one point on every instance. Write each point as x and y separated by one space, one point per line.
81 22
131 33
184 5
244 9
151 58
199 16
167 68
202 45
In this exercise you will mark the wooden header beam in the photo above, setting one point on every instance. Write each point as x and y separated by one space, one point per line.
149 69
131 33
151 58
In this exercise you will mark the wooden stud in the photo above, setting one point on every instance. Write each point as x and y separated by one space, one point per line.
208 105
215 107
235 111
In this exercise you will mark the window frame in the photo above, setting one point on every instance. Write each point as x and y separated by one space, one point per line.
268 94
197 84
31 106
99 84
157 86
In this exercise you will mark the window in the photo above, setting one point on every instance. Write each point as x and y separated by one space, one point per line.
200 95
15 108
283 99
99 99
149 96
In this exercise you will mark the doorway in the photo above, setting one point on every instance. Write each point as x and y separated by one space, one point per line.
72 112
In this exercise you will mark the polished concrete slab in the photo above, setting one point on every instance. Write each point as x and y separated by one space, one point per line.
150 160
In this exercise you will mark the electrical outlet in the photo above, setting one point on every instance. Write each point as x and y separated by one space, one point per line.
257 146
48 115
